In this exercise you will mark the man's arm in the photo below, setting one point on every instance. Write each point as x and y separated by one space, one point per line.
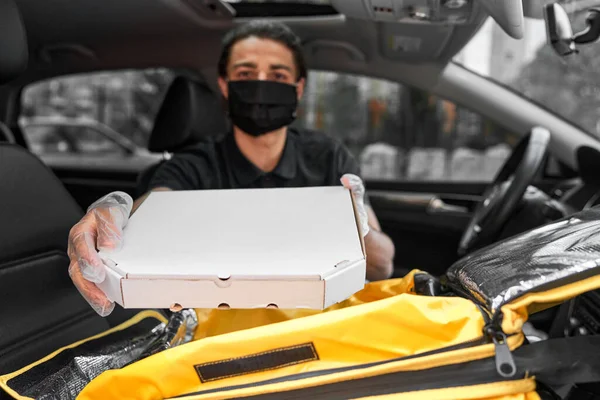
379 247
380 250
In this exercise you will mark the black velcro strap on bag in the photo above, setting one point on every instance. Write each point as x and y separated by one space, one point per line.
260 362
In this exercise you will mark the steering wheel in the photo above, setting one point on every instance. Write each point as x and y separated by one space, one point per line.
502 197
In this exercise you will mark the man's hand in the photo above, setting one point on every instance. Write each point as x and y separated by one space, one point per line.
357 188
100 229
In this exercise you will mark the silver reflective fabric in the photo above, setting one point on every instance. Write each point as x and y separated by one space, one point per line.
64 376
66 382
546 257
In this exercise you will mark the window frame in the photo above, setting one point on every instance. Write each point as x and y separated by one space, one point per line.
104 131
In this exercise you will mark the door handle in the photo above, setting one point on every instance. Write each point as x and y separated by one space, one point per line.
439 206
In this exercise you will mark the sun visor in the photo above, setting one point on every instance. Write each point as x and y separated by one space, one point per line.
13 42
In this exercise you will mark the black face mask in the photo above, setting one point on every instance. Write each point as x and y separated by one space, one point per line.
258 107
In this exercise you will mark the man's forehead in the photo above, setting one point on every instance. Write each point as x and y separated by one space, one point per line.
252 51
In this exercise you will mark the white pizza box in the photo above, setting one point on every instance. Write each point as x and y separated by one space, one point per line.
282 248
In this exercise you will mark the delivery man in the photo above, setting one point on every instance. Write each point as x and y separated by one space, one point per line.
262 75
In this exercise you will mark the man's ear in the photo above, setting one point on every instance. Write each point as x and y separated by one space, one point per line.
300 87
223 87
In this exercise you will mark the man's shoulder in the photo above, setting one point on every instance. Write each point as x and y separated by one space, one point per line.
199 155
315 140
323 151
204 148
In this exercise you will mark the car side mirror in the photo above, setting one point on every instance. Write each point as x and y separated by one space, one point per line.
560 33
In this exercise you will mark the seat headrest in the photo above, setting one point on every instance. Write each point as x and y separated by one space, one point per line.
14 53
190 113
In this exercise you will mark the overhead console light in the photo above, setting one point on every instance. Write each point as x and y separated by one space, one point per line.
507 13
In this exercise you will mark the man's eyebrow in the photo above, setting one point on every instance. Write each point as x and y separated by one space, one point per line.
247 64
280 66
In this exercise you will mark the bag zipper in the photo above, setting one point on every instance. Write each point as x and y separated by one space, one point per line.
505 363
492 331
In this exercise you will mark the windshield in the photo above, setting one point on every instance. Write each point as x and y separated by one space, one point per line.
568 87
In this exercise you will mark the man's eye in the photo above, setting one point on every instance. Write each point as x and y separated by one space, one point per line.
280 77
244 74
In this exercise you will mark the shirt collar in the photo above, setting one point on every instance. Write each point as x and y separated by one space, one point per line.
245 172
286 168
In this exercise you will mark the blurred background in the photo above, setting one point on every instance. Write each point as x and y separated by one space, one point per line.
395 132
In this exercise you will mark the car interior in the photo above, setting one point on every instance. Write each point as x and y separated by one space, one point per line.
432 223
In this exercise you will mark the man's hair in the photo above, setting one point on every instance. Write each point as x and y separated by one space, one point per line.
262 29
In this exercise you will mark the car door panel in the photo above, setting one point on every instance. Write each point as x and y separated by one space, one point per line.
424 220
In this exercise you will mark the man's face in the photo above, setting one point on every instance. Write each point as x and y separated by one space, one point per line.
261 59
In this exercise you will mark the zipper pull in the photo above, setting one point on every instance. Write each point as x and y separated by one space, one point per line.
505 363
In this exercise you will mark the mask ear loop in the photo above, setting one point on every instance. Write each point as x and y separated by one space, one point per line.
295 114
225 102
227 114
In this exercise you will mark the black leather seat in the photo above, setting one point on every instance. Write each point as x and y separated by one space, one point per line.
41 310
190 114
13 52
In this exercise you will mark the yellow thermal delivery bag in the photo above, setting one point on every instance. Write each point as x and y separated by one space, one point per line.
417 337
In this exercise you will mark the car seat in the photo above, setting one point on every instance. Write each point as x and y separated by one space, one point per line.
6 134
190 114
41 308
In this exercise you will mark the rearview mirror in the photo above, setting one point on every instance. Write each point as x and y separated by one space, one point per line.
558 29
560 33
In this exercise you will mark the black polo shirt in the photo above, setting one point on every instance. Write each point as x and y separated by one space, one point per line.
309 159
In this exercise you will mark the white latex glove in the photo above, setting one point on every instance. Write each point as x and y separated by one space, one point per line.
101 229
356 186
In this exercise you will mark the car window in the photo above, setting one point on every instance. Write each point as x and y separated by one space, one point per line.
57 139
90 113
88 140
398 133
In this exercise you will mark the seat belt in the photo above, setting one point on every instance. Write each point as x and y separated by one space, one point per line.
572 360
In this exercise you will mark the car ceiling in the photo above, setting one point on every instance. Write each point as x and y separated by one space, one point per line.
67 36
